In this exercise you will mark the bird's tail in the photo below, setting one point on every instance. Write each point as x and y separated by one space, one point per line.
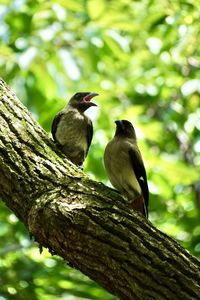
139 205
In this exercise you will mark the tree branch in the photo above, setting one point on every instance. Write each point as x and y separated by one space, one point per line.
83 221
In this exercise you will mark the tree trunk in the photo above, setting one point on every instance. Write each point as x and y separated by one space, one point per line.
83 221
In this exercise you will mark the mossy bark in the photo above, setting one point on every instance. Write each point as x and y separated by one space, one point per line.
83 221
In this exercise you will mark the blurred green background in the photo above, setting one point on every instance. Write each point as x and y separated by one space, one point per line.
143 58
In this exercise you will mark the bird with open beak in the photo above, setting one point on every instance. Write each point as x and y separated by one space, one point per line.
125 167
72 130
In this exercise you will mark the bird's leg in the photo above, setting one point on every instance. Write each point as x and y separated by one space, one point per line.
81 167
114 190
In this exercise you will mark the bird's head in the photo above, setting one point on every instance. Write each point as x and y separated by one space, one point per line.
82 100
125 128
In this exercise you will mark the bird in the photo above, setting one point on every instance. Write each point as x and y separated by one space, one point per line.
72 130
125 168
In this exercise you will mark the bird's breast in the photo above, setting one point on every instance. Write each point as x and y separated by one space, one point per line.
72 131
119 168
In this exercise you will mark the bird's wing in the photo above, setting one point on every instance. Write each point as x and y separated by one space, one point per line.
89 134
140 173
55 123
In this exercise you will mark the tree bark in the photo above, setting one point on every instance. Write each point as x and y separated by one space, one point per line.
83 221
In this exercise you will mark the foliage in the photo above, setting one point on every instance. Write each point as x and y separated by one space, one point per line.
143 58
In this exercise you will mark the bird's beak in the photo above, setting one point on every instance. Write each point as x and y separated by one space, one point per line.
119 125
117 122
87 99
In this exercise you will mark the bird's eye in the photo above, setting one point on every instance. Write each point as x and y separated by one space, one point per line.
127 124
77 96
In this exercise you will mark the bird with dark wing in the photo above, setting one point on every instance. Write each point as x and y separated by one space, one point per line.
125 167
72 130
